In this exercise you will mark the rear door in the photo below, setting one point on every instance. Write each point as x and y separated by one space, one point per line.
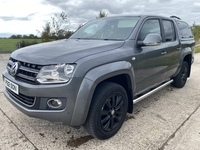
173 49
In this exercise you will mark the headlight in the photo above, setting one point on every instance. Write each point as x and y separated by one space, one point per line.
55 73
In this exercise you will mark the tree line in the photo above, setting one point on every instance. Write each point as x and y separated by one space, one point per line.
56 32
18 36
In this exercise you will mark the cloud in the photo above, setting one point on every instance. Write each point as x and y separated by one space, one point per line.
24 17
197 4
9 18
84 10
27 16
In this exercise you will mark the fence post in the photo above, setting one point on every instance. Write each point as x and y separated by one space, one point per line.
4 46
18 45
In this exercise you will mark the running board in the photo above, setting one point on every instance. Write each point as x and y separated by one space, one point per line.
151 92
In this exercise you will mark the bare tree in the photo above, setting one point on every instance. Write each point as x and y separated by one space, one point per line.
57 28
59 24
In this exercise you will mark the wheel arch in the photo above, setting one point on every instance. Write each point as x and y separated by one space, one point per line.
125 81
118 72
186 55
188 59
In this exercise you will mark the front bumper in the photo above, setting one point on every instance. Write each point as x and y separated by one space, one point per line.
68 92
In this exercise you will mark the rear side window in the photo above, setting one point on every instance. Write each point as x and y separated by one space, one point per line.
185 30
150 26
169 30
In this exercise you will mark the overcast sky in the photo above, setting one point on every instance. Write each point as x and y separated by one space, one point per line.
27 16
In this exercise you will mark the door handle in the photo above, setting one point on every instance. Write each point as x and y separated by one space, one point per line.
163 53
178 49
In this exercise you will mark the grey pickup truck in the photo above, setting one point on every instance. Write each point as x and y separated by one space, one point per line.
97 75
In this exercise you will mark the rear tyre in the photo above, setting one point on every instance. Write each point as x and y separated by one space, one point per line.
108 111
181 78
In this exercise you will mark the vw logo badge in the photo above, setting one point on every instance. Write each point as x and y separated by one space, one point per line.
14 68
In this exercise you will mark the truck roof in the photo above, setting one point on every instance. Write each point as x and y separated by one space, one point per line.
145 16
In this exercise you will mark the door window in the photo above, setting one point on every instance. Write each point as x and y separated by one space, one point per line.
185 30
150 26
169 31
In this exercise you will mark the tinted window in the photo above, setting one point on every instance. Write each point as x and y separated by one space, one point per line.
169 30
150 26
185 30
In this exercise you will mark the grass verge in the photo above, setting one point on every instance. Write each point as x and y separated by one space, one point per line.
197 49
9 45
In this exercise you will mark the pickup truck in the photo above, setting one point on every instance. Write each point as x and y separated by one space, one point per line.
94 78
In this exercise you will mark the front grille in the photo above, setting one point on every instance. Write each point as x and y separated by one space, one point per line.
26 72
26 100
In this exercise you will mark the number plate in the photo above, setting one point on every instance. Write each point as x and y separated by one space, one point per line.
12 86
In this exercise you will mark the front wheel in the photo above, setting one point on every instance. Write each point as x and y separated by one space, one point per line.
181 78
108 111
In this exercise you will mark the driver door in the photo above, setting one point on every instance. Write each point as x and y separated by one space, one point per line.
151 60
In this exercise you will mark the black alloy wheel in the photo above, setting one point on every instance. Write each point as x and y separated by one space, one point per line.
111 112
181 78
107 110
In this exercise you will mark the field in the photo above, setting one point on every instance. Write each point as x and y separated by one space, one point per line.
9 45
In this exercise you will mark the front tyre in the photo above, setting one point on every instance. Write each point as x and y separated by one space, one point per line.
181 78
108 111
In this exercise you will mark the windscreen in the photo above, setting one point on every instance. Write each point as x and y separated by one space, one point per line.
116 28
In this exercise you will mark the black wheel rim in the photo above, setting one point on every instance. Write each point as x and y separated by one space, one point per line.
184 75
111 112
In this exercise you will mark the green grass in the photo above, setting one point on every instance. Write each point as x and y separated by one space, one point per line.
197 49
9 45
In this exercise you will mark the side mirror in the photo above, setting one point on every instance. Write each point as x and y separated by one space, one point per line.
151 39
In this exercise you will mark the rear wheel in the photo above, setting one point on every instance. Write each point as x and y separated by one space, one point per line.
108 111
181 78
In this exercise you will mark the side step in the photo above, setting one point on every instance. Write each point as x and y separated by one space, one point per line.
151 92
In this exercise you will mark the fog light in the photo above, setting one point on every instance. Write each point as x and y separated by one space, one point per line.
54 103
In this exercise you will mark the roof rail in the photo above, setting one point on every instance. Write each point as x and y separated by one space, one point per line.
175 17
